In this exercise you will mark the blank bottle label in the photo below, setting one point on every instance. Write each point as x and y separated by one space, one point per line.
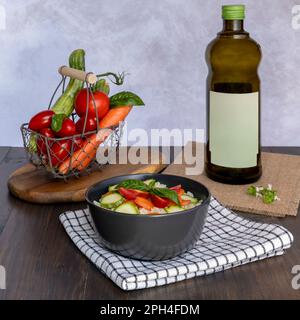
233 129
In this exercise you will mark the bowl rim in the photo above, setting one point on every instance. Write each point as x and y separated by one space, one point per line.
204 202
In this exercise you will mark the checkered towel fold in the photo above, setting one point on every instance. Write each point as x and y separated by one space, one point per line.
228 240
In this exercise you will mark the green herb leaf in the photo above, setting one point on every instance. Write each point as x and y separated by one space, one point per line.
152 184
268 196
125 98
57 121
251 191
101 85
134 184
166 193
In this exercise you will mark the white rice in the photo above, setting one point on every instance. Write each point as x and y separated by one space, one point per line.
159 185
188 193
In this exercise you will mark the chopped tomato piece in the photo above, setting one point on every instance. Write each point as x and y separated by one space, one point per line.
144 203
131 194
143 194
127 194
176 188
159 202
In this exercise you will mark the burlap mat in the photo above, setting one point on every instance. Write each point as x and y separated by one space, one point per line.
280 170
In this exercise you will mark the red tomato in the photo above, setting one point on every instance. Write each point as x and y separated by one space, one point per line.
140 193
60 151
91 124
101 103
128 194
41 141
78 143
47 132
176 188
131 194
159 202
67 129
41 120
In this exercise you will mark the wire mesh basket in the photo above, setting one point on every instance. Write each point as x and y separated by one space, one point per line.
60 156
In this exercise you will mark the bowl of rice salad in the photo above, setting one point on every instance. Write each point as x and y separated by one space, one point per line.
148 216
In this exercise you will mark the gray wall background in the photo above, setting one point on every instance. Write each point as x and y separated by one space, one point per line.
161 43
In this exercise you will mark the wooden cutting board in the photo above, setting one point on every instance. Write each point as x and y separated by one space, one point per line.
35 185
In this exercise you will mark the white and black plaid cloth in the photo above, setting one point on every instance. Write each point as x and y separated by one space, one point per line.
227 241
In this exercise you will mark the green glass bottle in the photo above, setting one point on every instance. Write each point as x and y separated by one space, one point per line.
233 103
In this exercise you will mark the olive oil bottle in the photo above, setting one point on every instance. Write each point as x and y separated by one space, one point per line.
233 102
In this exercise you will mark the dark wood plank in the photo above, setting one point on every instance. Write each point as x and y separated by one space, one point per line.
42 262
12 158
3 153
284 150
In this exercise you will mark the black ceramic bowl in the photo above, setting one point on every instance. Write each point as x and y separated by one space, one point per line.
143 237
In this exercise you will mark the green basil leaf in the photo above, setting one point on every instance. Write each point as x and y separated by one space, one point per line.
152 184
101 85
166 193
125 98
134 184
57 121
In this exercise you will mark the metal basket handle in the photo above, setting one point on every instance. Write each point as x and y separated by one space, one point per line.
88 77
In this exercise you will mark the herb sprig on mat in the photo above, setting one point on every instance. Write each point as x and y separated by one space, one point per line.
268 195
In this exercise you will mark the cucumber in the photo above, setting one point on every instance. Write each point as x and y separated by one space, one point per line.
128 207
173 209
150 182
111 200
65 103
101 85
96 203
192 199
113 188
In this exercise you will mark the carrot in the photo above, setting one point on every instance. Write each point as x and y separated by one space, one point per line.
86 160
87 157
79 155
115 116
184 202
83 157
144 203
180 192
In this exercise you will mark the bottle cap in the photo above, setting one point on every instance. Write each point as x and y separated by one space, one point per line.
233 12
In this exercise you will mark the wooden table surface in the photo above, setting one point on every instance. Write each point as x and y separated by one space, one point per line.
42 263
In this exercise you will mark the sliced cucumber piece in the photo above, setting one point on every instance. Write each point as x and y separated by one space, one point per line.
128 207
113 188
174 209
192 199
150 182
111 200
96 203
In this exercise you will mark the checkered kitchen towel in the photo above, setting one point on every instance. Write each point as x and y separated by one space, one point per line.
227 241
